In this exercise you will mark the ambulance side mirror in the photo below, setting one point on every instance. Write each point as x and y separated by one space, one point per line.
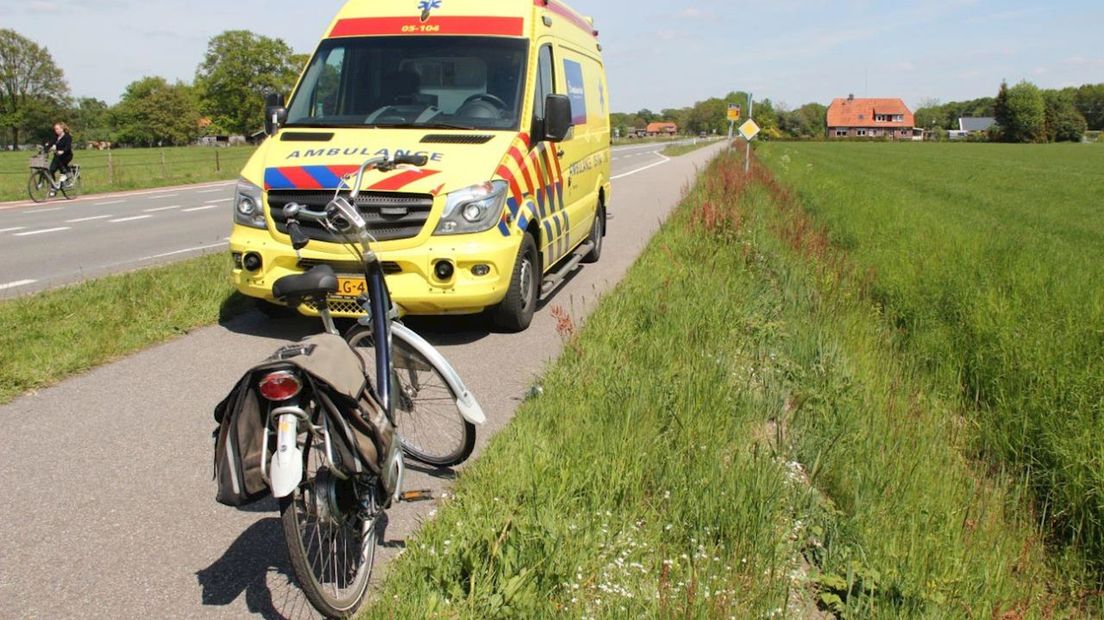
275 113
557 117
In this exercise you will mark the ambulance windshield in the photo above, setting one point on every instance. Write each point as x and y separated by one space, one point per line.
413 81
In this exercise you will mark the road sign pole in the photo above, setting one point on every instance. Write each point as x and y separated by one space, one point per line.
747 158
731 125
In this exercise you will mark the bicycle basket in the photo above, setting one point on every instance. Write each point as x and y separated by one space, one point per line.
39 161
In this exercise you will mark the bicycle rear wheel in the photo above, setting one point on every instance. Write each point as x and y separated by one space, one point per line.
330 528
39 185
429 421
72 186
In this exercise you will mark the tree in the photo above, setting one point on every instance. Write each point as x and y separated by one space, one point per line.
153 112
30 81
1089 100
239 69
1000 107
91 119
816 116
1063 122
1025 114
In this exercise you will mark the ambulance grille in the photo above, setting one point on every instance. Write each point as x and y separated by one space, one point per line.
448 138
390 215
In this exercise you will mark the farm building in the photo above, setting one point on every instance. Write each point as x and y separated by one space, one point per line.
870 118
970 125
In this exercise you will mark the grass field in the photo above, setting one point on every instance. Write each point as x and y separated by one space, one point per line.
987 259
52 335
123 169
735 434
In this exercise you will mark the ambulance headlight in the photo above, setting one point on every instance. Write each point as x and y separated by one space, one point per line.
248 208
473 209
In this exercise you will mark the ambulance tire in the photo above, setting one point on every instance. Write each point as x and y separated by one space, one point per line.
515 312
597 235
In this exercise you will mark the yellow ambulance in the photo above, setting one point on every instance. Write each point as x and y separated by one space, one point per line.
508 101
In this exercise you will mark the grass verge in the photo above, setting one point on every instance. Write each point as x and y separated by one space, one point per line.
127 169
732 434
677 150
53 335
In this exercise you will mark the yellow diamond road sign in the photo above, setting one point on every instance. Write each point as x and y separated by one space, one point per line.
749 130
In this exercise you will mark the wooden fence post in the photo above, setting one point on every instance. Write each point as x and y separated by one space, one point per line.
163 164
110 169
218 165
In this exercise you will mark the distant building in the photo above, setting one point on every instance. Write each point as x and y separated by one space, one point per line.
971 125
661 129
870 118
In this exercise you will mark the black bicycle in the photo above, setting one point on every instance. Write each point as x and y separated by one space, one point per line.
41 185
330 499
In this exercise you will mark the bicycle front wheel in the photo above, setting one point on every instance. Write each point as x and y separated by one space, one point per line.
429 421
39 186
330 528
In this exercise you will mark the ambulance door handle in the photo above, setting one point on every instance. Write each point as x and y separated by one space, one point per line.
559 152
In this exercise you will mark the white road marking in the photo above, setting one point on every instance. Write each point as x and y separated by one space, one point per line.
632 172
210 191
202 247
200 208
42 232
41 210
4 287
4 230
155 197
130 219
88 219
161 209
110 202
221 200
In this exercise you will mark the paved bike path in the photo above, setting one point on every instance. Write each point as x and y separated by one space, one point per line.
109 507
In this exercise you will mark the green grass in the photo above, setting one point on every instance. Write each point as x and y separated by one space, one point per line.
987 259
53 335
678 150
732 434
132 168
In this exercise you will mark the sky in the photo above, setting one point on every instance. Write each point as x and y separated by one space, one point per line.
658 54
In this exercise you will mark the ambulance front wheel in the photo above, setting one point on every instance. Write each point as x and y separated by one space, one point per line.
515 312
597 234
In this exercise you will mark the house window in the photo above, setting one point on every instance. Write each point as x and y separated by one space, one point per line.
900 118
841 132
862 133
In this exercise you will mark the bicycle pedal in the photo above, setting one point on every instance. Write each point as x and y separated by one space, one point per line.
423 495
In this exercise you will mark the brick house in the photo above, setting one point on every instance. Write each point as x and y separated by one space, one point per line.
662 129
870 118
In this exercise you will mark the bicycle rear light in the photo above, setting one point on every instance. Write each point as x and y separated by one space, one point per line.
280 386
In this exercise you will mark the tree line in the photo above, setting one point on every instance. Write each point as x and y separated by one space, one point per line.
224 98
710 116
1024 113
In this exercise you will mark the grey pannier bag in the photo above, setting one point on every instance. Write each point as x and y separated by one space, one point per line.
334 378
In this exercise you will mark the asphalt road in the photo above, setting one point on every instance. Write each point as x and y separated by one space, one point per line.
109 507
61 242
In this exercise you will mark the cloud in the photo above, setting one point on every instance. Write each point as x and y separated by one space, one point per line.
43 7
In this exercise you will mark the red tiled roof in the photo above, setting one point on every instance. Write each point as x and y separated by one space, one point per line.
659 127
861 113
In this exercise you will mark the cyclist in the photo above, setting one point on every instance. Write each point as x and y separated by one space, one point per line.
62 145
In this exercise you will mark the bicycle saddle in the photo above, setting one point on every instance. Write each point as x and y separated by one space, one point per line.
316 283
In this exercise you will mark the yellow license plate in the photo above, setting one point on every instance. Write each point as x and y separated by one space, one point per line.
351 287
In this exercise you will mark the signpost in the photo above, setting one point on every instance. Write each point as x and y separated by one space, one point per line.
733 117
748 131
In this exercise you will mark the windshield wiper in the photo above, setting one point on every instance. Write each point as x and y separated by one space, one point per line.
434 125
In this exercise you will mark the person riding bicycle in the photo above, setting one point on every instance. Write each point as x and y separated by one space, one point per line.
62 145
